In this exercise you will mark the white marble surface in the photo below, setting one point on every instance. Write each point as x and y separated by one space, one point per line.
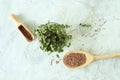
20 60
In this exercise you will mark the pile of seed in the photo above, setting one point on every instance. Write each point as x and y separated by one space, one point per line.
74 59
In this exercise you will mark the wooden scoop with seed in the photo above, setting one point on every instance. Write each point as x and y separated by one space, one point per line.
80 59
23 29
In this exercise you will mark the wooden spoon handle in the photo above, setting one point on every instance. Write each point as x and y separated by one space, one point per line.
107 56
15 19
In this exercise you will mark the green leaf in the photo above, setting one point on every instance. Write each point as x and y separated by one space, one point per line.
52 36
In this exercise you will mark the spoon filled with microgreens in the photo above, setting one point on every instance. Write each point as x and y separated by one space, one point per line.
80 59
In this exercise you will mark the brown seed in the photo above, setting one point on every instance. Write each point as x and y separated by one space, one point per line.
57 62
74 59
25 32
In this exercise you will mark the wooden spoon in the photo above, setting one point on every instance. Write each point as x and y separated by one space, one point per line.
89 58
23 29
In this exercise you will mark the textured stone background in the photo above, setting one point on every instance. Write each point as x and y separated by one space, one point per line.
20 60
